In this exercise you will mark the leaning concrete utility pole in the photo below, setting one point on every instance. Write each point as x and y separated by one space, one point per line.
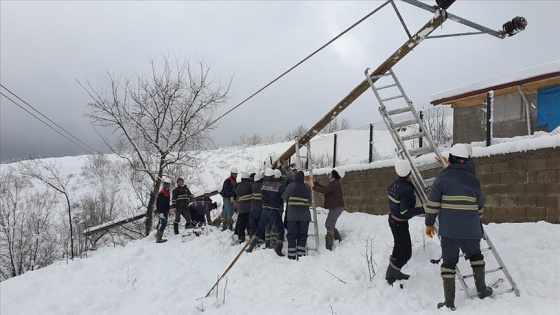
510 28
438 19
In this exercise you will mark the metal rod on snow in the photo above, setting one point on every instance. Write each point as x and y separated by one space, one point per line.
231 265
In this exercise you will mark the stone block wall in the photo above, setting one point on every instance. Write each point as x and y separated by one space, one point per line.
518 187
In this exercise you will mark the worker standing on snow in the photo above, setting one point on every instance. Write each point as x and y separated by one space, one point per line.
272 203
180 199
228 193
298 199
456 198
162 207
403 205
256 204
334 202
244 195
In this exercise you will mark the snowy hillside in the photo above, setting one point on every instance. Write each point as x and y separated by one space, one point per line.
172 278
146 278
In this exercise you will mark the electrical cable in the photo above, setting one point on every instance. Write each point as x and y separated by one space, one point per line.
30 113
71 135
303 60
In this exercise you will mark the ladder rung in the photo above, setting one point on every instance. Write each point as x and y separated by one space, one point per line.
429 166
481 250
386 86
486 272
420 151
391 98
405 123
413 136
398 110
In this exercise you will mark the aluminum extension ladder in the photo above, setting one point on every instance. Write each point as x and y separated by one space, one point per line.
404 125
303 162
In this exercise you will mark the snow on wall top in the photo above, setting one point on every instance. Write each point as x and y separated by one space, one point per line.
523 74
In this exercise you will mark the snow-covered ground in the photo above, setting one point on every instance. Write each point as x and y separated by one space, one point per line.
173 278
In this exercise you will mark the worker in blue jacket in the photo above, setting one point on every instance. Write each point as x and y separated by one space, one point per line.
403 206
456 199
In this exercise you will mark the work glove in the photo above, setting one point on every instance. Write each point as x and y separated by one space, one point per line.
161 216
310 180
430 231
232 200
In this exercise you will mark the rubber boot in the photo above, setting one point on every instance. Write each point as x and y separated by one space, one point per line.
393 274
230 225
252 245
225 224
337 236
480 282
278 248
449 294
329 240
176 228
159 237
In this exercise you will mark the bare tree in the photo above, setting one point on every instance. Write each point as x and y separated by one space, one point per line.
439 122
296 132
48 173
26 235
337 125
157 116
248 140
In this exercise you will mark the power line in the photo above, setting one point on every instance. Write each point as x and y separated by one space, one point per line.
30 113
304 59
71 135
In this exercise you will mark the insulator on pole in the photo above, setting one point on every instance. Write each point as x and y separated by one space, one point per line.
516 25
444 4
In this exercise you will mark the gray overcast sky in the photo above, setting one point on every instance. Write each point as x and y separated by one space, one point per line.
46 45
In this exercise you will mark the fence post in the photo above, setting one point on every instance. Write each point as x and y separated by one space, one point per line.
489 117
334 152
420 129
370 143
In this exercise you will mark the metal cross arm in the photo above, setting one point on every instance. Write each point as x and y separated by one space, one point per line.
509 28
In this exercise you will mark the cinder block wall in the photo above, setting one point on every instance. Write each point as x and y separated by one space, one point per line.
519 187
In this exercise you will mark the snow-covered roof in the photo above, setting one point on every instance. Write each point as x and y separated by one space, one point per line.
537 73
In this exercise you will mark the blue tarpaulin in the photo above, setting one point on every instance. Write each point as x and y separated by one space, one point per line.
548 112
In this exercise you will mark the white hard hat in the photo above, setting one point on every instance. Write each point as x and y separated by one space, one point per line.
469 148
258 177
340 172
459 150
233 170
277 173
245 175
402 167
268 172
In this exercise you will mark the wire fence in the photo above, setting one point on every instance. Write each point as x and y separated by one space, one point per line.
373 142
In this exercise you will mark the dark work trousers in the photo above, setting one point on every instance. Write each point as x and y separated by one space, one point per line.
297 238
254 218
162 224
271 216
402 250
450 251
241 225
196 217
